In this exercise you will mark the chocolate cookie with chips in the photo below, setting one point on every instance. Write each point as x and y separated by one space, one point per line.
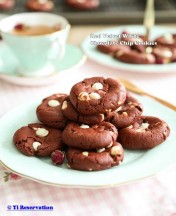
37 139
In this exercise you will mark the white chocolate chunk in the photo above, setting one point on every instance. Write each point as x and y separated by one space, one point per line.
169 38
100 150
83 96
85 153
119 53
97 86
116 150
94 96
109 145
64 105
90 169
84 126
143 127
119 103
148 50
53 103
34 128
130 127
118 109
35 145
102 117
125 114
42 132
166 53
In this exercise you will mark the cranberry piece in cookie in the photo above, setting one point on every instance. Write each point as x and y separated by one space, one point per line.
97 95
37 139
146 133
89 137
94 160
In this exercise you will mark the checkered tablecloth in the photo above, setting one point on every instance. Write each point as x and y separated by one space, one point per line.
155 196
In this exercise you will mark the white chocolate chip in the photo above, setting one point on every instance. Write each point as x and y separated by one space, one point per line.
85 153
118 109
169 38
148 50
35 145
119 103
100 150
119 53
130 127
102 117
166 53
97 86
116 150
83 96
53 103
143 127
84 126
42 132
34 128
109 145
125 114
90 169
64 105
94 96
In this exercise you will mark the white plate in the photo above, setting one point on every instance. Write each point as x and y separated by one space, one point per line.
136 165
74 58
107 60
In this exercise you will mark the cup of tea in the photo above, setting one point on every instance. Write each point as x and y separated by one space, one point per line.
36 39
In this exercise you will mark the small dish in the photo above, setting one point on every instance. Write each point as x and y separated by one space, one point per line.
136 165
74 58
107 60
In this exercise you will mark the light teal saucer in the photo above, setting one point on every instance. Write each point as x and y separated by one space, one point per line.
74 57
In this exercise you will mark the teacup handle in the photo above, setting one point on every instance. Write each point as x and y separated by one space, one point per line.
61 48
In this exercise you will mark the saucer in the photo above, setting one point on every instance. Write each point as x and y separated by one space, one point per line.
107 60
74 58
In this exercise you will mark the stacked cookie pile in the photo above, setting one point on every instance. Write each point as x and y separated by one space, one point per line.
89 125
137 51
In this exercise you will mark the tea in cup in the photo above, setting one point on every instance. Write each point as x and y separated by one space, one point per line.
36 39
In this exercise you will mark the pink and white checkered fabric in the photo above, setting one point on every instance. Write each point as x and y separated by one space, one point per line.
154 197
151 197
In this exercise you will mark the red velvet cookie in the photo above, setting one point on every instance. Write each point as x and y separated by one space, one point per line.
49 111
89 137
83 4
40 5
135 57
99 159
37 139
126 114
146 133
168 40
162 54
111 49
7 4
97 95
73 115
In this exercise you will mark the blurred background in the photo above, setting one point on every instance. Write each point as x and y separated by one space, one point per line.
108 11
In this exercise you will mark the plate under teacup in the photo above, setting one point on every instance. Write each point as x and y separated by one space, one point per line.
74 57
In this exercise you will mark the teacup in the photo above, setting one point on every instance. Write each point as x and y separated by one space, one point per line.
35 52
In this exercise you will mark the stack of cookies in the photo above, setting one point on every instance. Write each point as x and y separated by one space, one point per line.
91 125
